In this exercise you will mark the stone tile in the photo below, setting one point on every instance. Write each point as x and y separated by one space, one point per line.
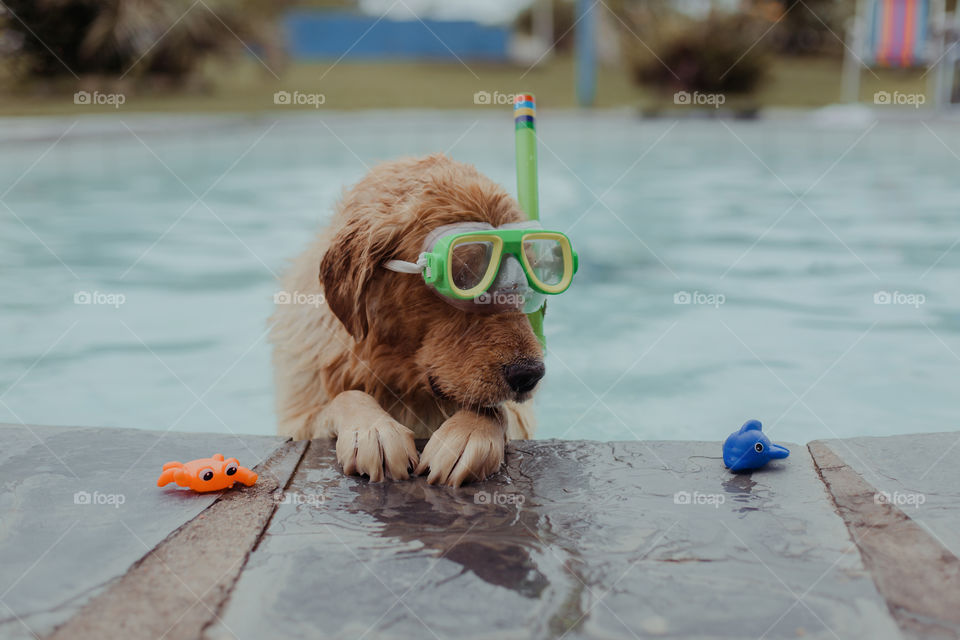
895 522
918 473
78 506
177 588
601 540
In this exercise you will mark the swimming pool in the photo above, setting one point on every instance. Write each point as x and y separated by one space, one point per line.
138 257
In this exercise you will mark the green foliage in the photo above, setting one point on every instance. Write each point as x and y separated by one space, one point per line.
116 37
809 27
564 18
723 53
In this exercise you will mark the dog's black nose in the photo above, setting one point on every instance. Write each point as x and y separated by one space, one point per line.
524 375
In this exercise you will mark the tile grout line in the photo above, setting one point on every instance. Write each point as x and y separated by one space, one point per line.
225 600
150 594
915 575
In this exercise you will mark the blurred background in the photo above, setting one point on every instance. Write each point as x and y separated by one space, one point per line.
763 193
232 55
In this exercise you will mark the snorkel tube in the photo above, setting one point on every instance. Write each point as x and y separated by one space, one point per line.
524 118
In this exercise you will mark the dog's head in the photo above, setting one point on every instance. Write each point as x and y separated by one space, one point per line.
474 360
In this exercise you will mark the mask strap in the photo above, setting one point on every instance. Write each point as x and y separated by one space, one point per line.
402 266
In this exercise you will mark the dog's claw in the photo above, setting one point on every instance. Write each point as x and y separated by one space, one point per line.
380 451
462 450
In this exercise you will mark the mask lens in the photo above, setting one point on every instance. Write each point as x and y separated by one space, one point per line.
545 257
469 263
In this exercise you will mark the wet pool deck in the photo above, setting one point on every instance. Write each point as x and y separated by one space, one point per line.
571 539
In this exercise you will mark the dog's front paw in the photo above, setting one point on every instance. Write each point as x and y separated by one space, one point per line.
383 449
465 447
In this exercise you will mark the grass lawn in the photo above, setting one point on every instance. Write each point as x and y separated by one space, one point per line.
245 85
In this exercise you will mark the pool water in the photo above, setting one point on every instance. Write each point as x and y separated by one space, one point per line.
729 270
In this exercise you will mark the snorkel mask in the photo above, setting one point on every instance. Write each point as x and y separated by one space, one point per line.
481 269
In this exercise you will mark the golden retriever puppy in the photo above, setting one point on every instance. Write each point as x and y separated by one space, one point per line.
385 359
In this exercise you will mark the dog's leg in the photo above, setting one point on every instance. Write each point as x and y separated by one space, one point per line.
467 446
521 420
369 441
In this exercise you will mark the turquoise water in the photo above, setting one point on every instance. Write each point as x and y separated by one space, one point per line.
782 324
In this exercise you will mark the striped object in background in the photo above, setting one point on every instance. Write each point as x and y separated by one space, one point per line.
524 111
897 33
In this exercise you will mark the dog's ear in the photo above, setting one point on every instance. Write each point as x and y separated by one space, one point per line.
348 268
345 278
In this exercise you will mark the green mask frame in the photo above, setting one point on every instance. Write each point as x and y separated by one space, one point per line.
462 266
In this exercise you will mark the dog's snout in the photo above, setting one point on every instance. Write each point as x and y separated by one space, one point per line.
524 375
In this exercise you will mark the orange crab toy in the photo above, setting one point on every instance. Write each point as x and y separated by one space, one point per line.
206 474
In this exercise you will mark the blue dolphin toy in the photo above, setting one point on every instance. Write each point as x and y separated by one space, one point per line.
748 448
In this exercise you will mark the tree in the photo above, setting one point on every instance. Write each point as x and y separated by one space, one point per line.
117 37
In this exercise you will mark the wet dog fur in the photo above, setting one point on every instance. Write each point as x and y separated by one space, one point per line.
385 359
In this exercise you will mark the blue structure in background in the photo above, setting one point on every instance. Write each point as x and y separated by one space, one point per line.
586 52
324 35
